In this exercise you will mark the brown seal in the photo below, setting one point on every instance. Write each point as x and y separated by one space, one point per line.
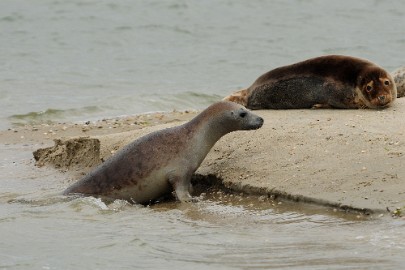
399 78
164 160
333 81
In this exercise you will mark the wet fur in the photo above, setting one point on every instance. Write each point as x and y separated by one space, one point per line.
165 160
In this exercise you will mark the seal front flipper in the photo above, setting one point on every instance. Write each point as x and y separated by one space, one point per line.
181 186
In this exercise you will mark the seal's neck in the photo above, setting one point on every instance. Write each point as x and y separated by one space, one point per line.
205 130
211 127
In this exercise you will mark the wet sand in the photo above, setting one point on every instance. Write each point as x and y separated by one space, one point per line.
350 159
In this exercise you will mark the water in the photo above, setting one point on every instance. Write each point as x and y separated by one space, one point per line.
39 229
82 60
85 60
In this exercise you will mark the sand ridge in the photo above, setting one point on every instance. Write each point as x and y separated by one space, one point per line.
342 158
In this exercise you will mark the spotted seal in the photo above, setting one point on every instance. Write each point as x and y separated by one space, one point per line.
165 160
332 81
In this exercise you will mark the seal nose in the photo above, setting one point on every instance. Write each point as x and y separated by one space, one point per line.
383 99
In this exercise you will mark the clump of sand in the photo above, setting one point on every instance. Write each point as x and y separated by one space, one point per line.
82 152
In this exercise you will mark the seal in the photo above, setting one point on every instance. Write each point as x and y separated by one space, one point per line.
399 78
332 81
162 161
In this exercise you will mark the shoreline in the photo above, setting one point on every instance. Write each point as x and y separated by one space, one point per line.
347 159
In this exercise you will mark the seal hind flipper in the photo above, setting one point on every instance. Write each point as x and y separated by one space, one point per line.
322 106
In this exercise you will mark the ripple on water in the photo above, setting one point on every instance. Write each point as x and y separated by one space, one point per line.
52 115
233 232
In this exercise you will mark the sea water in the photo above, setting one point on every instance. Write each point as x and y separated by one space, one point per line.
64 61
83 60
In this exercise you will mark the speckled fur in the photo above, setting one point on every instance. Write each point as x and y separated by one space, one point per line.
161 161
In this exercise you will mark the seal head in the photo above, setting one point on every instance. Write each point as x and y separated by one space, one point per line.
376 88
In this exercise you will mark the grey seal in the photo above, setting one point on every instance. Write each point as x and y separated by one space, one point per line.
164 160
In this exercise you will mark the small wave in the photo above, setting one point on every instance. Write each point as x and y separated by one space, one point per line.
163 27
188 100
96 202
11 18
199 95
50 116
34 201
90 203
118 105
124 28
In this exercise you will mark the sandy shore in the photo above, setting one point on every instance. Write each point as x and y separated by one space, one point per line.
351 159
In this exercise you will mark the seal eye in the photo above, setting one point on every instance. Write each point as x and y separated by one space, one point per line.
242 114
387 82
369 88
